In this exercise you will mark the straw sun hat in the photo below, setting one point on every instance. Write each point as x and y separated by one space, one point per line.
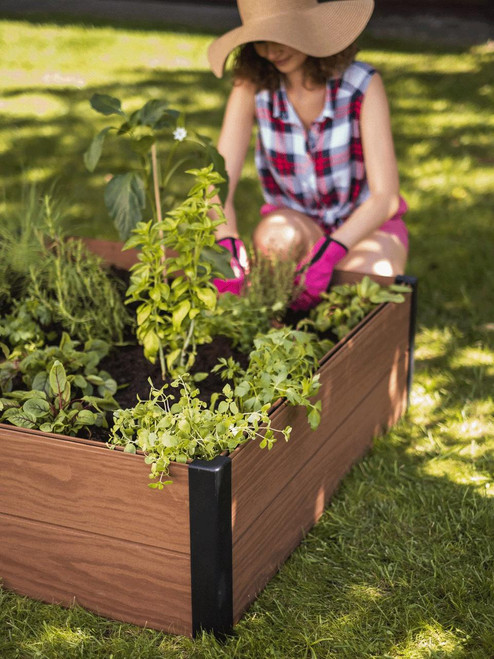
315 28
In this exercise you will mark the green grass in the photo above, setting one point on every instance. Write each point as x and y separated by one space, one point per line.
402 562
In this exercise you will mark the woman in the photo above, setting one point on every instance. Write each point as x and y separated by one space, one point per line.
324 150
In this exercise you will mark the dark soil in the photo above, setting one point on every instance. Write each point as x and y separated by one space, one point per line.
132 371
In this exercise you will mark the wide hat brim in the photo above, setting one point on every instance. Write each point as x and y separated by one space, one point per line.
320 31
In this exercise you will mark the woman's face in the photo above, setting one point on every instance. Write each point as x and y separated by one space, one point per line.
286 59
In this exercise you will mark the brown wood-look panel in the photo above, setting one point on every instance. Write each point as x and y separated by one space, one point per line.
376 351
111 252
91 488
123 580
279 528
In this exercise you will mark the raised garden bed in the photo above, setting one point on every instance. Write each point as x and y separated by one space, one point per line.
78 523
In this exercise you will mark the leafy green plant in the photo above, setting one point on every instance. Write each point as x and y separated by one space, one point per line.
21 328
175 292
180 429
282 365
167 429
344 306
263 303
80 362
54 408
147 180
32 365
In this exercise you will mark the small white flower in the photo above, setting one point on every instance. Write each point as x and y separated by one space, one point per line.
234 430
179 134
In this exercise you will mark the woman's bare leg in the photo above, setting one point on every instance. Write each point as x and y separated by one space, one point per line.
381 253
288 234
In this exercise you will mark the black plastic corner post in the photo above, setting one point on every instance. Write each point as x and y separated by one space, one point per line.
413 283
210 497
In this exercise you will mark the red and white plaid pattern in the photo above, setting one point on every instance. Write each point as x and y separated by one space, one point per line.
320 172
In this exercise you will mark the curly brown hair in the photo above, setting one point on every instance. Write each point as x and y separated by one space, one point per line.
248 65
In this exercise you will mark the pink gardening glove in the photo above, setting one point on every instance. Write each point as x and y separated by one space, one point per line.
239 263
317 271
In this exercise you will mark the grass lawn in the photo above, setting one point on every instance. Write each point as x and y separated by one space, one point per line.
402 562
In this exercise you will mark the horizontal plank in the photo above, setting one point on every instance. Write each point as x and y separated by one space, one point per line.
377 351
91 488
126 581
279 528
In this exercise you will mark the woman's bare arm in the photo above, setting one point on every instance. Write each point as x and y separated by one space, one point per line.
381 168
233 144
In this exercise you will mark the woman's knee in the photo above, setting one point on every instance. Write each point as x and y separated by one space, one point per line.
379 254
286 234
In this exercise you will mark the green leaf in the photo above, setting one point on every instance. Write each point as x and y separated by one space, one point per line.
143 313
19 418
36 407
219 260
80 381
314 418
109 386
41 382
179 313
151 345
171 358
242 389
58 378
86 418
93 154
125 198
152 112
207 297
107 105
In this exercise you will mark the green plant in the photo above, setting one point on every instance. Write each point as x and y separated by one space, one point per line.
21 328
19 244
344 306
147 180
181 429
174 293
263 303
282 365
54 407
32 364
70 285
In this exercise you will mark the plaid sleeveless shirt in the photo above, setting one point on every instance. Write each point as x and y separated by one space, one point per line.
319 172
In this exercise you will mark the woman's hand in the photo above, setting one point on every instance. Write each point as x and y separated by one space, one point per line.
315 272
239 263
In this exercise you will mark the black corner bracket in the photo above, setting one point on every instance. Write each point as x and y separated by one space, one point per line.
413 283
210 497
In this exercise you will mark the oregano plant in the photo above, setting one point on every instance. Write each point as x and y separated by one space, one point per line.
178 428
282 364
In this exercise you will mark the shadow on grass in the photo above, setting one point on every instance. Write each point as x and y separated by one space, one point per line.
400 564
